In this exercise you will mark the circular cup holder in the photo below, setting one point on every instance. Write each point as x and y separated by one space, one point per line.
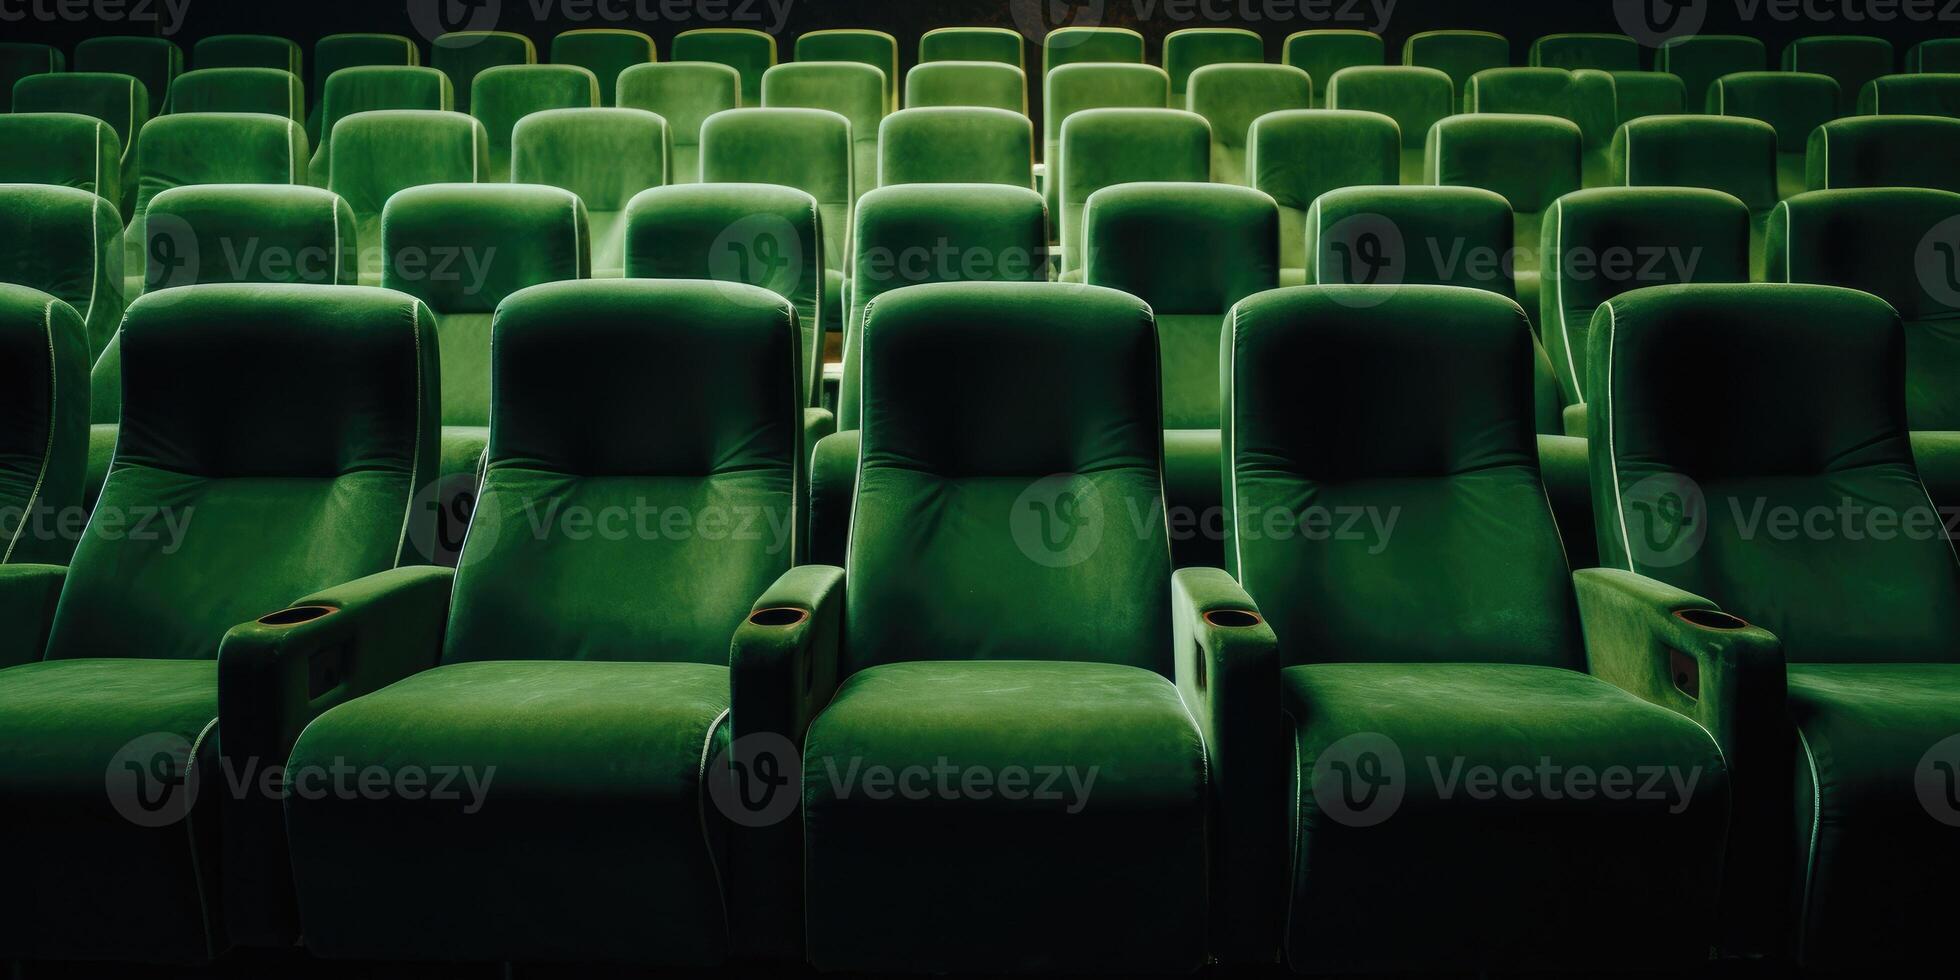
1232 619
777 618
297 615
1711 619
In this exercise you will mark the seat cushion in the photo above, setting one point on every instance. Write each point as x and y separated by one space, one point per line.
1878 803
593 769
1076 792
1469 805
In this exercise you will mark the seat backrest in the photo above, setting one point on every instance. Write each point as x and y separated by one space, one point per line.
19 59
372 88
957 145
1322 53
1601 52
1415 98
1795 103
377 154
1940 54
1849 60
1885 151
340 51
685 93
1531 160
1587 98
271 91
66 243
875 49
854 91
1287 159
247 51
44 445
1192 48
183 149
115 99
1603 242
988 84
1232 98
64 148
605 52
1105 147
1090 45
505 94
1639 94
996 525
1458 54
1000 44
749 52
1699 59
1075 87
686 398
243 233
1724 416
153 61
605 156
1417 411
1926 94
744 146
1732 154
1191 251
462 55
1398 236
273 440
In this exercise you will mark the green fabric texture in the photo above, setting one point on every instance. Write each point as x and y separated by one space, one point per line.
1530 160
849 90
1105 147
504 94
1458 54
1393 236
377 154
1000 44
875 49
605 52
1296 156
238 233
1885 151
1572 52
605 156
337 52
1731 154
66 243
1940 54
1187 50
1850 61
372 88
833 484
1911 95
153 61
750 53
1639 94
1321 53
125 107
1232 98
1699 59
1585 98
28 594
685 94
956 145
986 84
463 55
247 51
1563 465
19 59
1603 242
43 424
264 90
1795 103
1090 45
1091 86
745 148
1416 98
178 151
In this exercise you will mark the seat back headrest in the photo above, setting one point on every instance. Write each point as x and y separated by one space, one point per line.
605 156
462 248
243 233
959 145
271 91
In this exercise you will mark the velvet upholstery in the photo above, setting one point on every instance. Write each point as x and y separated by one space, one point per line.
1795 104
153 61
685 93
851 90
605 52
373 88
988 84
188 149
876 49
1911 95
1599 52
118 102
998 44
1939 54
1296 156
605 156
1321 53
376 154
1416 98
1851 61
1732 154
1105 147
1093 85
1639 94
463 55
270 91
1075 45
337 52
66 243
1192 48
960 145
19 59
247 51
1885 151
749 52
1586 98
1699 59
737 148
1458 54
504 94
44 441
1531 160
1231 98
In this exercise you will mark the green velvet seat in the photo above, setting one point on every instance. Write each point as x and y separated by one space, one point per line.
44 444
1530 160
605 156
1093 85
1105 147
1191 252
749 52
378 153
270 91
340 51
847 89
1090 45
1187 50
1232 98
957 145
1864 620
1000 44
876 49
247 51
343 387
598 703
1296 156
1699 59
1639 94
1940 54
1416 98
373 88
1732 154
1409 658
19 59
1321 53
153 61
605 52
1458 54
63 148
685 93
1849 60
1926 94
1794 103
1572 52
743 148
505 94
988 84
463 55
114 99
188 149
1586 97
1885 151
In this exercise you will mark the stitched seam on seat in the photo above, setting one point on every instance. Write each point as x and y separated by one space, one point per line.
701 800
54 403
1299 837
1558 293
1810 853
190 838
99 127
415 461
1608 404
132 121
1230 423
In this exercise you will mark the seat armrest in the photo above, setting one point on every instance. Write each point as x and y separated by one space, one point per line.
783 663
1227 671
28 594
817 423
833 482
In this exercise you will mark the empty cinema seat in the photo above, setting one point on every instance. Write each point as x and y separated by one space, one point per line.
1731 154
876 49
1926 94
1090 45
1639 94
605 156
1599 52
1283 160
750 53
1795 104
1886 151
245 233
247 51
987 84
605 52
847 89
335 52
20 59
997 44
264 90
1699 59
1940 54
377 154
505 94
1416 235
62 148
733 152
1321 53
374 88
685 93
1531 160
1094 85
43 446
153 61
117 100
1585 97
1187 50
1851 61
1232 98
210 148
1415 98
462 55
1459 55
1105 147
956 145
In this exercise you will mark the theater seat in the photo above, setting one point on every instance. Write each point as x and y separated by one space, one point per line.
1192 48
462 55
63 148
1599 52
247 51
335 52
114 99
1105 147
153 61
1090 86
987 84
1410 657
1321 53
1911 95
1795 104
1940 54
1885 151
187 149
605 52
1416 98
1731 154
1699 59
1530 160
602 706
685 94
1639 94
738 147
875 49
1232 98
1000 44
376 154
849 90
1090 45
43 447
19 59
270 91
750 53
310 487
605 156
1285 158
372 89
1459 55
1587 98
956 145
1850 61
506 94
